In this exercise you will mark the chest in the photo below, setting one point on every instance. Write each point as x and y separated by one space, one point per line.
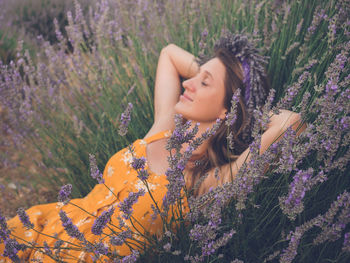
157 156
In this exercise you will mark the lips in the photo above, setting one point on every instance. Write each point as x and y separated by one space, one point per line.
187 97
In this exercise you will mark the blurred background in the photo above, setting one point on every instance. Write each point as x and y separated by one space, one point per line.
69 68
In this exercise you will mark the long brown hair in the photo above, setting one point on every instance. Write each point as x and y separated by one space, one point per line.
217 153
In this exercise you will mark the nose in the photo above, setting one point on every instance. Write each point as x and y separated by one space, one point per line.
188 84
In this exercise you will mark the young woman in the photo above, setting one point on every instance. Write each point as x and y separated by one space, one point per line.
205 97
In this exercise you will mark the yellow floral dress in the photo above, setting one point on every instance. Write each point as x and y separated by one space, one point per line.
120 178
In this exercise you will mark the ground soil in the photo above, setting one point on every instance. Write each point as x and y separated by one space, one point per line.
22 182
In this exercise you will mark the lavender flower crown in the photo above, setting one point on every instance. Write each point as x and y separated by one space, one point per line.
254 81
253 66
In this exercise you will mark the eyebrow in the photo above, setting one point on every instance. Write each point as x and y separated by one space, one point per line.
207 72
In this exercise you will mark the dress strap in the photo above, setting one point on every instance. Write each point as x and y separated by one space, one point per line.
158 136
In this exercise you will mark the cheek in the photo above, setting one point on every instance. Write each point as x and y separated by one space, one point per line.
210 108
215 102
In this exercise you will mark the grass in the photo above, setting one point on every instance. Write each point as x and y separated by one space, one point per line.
76 99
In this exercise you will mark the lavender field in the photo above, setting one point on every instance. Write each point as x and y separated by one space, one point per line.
72 72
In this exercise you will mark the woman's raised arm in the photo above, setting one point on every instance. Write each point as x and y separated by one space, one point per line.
173 63
276 128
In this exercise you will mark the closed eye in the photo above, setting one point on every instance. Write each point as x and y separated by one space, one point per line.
205 81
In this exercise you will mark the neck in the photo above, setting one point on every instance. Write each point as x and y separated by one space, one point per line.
203 147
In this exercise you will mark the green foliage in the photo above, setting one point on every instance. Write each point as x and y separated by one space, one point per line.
7 47
78 96
35 17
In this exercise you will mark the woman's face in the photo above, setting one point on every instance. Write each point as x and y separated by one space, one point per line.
203 98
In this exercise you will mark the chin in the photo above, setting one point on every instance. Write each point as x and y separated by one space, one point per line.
179 110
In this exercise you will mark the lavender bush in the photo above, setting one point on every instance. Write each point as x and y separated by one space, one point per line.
74 103
34 17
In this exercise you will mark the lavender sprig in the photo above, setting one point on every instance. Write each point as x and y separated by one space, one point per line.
47 249
294 238
64 193
94 171
232 115
4 231
71 229
292 91
24 218
12 247
346 243
128 202
330 231
100 249
101 222
58 246
131 258
121 238
331 226
178 161
292 204
124 120
139 165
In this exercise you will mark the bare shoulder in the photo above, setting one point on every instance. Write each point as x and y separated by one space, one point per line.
284 118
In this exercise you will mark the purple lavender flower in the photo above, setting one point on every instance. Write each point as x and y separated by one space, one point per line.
302 182
292 91
131 258
138 163
64 193
120 238
155 212
94 171
316 20
289 253
128 202
59 35
71 229
181 134
167 247
332 226
232 115
125 119
178 161
213 246
297 30
4 231
143 174
206 234
346 243
176 184
332 27
57 246
24 218
47 249
12 247
101 249
101 222
202 42
204 34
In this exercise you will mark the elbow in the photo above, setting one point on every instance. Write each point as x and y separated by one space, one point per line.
297 124
167 48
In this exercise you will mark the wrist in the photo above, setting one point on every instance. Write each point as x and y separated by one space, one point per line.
193 67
